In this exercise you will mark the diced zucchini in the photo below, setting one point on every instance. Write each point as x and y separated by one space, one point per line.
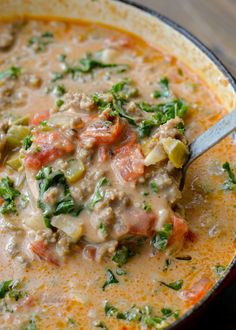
69 225
176 150
15 135
156 155
74 171
15 161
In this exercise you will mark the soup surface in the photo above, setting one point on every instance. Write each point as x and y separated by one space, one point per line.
95 127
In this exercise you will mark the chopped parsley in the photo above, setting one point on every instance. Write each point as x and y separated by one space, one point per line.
11 288
27 142
154 187
230 184
122 255
161 238
147 207
163 112
124 90
13 73
39 43
65 205
59 103
32 324
8 193
60 90
220 269
142 315
111 279
100 325
164 91
98 195
177 285
180 127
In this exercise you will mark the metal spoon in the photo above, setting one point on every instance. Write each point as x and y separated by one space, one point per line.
207 140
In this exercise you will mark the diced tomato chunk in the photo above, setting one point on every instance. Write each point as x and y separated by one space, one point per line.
45 252
180 229
104 131
129 162
52 145
129 138
197 291
1 201
38 117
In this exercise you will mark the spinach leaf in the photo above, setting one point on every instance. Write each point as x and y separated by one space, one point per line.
8 193
124 90
27 142
154 187
164 92
111 279
40 42
5 287
231 182
98 194
13 72
163 112
177 285
142 315
122 255
65 205
161 238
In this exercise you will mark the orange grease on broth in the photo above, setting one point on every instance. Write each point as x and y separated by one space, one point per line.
74 289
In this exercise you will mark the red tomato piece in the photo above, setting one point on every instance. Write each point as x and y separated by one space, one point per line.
104 131
180 229
44 252
52 145
197 291
129 162
38 117
129 138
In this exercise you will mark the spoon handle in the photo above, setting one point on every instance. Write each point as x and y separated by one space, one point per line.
212 136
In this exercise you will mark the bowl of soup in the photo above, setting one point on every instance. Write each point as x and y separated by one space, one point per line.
99 103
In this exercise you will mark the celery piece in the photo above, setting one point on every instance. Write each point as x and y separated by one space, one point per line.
176 151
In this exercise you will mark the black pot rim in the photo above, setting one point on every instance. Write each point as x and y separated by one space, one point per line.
220 283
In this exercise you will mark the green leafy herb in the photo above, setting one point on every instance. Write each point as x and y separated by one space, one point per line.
180 127
147 207
13 73
62 57
111 279
102 228
124 90
11 288
101 325
154 187
59 103
142 315
163 112
118 110
177 285
65 205
98 194
161 238
220 269
27 142
39 43
122 255
57 76
8 194
71 321
60 90
230 184
164 92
